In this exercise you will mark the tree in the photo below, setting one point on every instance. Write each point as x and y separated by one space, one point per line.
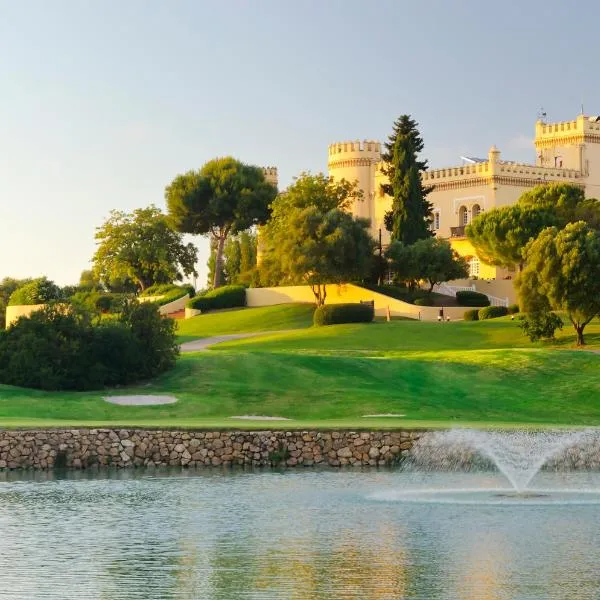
7 286
499 236
312 239
141 246
224 197
562 273
403 264
437 261
408 220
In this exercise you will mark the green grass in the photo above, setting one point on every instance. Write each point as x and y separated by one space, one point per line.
246 320
436 374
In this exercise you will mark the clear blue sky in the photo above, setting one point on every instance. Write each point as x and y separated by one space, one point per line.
103 102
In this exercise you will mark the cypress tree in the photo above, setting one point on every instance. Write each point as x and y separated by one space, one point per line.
408 220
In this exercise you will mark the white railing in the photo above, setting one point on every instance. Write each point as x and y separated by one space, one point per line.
450 290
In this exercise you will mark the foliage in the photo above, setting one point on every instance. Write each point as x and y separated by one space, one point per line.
492 312
540 325
224 197
96 302
168 292
334 314
88 281
500 235
59 348
422 302
513 309
437 261
141 246
563 274
229 296
472 298
312 239
239 264
7 286
408 220
471 315
38 291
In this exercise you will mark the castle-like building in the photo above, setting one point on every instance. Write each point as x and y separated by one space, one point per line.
567 152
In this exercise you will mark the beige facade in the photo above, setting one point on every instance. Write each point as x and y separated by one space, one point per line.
567 152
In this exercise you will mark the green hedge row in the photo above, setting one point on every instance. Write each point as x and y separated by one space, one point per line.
228 296
488 312
469 298
335 314
471 315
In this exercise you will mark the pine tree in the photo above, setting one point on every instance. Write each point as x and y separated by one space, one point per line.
408 220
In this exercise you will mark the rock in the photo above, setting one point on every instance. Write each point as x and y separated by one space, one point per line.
344 452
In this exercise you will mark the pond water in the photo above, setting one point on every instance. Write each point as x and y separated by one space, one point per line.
300 534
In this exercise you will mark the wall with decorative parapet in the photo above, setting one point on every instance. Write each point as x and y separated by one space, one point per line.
121 448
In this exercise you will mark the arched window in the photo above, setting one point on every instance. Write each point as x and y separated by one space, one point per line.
475 211
463 216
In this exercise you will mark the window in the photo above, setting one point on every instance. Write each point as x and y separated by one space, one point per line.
436 220
475 211
473 267
463 216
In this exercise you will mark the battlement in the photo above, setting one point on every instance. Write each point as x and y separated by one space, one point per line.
271 174
366 148
583 128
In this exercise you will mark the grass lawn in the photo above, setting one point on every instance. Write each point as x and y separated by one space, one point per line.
436 374
246 320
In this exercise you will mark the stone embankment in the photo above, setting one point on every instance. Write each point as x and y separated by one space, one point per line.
87 448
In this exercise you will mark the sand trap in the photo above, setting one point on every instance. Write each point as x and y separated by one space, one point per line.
140 400
260 418
382 415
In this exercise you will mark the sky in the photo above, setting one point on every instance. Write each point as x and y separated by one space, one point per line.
104 102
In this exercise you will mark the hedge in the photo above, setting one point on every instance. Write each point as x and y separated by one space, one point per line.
469 298
335 314
513 309
423 302
228 296
471 315
491 312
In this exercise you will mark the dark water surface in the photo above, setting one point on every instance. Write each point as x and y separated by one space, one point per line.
298 535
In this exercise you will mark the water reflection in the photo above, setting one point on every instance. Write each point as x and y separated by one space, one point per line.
297 535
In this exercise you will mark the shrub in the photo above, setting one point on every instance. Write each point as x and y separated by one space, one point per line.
38 291
470 298
540 325
228 296
59 348
161 289
513 309
492 312
334 314
423 302
471 315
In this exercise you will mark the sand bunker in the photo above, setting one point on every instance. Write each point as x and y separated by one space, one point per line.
140 400
260 418
382 415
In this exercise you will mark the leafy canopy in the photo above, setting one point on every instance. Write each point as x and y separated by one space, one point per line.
562 273
142 247
312 239
224 197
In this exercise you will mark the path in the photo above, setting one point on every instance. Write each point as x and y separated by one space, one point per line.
205 343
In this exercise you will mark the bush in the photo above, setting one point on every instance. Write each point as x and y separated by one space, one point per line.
513 309
469 298
161 289
423 302
38 291
471 315
334 314
59 348
541 325
492 312
228 296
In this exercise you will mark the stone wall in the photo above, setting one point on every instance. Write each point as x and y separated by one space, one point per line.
85 448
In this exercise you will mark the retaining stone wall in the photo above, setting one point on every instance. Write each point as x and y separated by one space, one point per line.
85 448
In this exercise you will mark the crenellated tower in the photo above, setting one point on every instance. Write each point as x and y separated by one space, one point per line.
356 161
271 175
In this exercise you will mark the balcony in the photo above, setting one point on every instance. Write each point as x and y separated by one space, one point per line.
457 232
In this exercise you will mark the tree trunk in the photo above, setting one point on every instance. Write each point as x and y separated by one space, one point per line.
431 284
219 259
579 330
320 294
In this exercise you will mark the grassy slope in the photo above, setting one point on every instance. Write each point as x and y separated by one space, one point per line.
247 320
435 374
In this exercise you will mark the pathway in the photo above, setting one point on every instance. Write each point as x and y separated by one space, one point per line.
205 343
